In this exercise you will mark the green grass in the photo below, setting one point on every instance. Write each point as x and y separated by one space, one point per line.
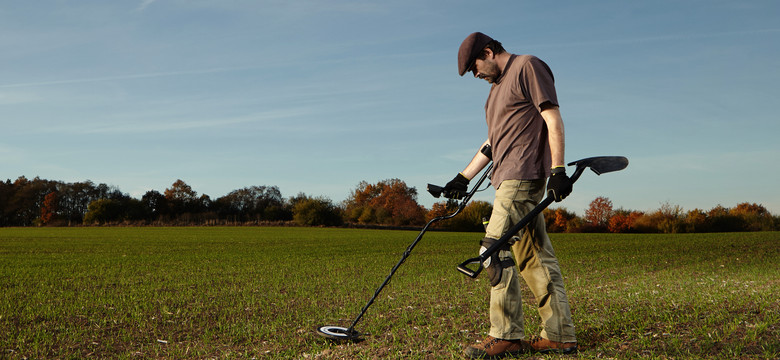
228 293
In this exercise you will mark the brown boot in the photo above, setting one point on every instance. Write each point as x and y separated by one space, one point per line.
546 346
493 348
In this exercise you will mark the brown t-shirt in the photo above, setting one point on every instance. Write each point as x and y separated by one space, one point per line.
516 129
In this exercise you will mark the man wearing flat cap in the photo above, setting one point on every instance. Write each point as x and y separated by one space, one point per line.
526 139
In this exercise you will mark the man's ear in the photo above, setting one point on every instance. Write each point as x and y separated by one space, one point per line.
486 53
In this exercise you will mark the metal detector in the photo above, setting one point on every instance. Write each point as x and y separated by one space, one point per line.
599 165
341 334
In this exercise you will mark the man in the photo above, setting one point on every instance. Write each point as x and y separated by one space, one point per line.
525 133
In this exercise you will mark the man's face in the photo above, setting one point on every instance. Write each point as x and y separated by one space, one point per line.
486 69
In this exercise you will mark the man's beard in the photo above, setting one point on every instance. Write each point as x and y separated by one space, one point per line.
491 74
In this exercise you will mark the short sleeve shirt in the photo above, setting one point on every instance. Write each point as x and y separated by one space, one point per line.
516 130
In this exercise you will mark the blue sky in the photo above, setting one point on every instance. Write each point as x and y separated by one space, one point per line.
316 96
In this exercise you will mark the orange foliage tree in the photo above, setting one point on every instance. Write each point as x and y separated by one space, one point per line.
560 220
181 198
623 221
440 209
754 217
598 213
49 208
389 202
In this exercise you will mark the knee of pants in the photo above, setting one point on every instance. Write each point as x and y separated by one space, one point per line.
508 271
545 297
538 280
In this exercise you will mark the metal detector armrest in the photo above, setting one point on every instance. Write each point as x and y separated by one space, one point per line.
463 267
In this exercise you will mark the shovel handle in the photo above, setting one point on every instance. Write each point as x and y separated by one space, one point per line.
463 267
599 165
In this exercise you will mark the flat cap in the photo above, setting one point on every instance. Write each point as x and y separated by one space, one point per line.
470 49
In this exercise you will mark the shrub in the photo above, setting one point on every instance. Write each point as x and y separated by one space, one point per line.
318 211
102 211
470 219
721 219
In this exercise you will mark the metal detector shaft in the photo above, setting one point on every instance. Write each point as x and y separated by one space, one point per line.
408 251
599 165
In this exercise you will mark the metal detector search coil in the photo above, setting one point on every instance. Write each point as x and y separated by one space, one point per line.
339 333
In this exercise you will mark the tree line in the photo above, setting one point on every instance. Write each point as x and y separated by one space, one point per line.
40 202
601 216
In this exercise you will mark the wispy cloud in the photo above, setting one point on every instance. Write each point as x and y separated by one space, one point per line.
16 98
125 77
144 5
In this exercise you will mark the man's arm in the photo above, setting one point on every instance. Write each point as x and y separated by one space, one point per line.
457 187
559 185
477 163
552 117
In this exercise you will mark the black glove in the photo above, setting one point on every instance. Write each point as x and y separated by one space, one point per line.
457 187
559 185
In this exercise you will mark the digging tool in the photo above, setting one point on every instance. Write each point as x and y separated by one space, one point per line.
599 165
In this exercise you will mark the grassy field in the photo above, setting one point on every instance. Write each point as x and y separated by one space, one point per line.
235 293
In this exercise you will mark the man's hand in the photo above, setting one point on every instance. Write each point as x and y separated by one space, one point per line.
559 185
457 187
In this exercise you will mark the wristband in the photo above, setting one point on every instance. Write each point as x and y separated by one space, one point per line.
558 170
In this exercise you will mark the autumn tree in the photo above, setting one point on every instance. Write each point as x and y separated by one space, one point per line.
180 191
389 202
440 209
181 198
622 221
754 217
49 208
26 199
560 220
598 213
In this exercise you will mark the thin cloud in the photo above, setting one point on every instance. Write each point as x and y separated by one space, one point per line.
125 77
16 98
144 5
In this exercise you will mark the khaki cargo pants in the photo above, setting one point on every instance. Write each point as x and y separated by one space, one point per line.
536 262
